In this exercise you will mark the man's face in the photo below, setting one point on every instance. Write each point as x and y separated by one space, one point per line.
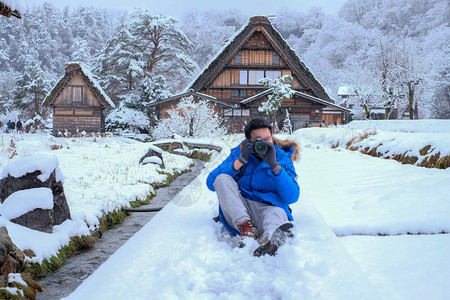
262 132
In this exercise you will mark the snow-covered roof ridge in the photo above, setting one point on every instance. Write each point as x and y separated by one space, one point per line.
94 81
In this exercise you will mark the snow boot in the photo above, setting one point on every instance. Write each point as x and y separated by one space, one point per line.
248 229
278 238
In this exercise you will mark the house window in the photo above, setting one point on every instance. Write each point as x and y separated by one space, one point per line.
255 76
243 77
243 93
273 74
238 59
228 112
246 112
234 93
77 94
276 60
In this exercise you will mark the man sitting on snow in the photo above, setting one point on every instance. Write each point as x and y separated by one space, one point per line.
255 186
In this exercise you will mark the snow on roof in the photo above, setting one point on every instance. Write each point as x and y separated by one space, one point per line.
18 5
298 57
94 81
228 43
19 167
345 90
21 202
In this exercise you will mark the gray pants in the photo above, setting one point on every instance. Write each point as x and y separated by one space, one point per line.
237 209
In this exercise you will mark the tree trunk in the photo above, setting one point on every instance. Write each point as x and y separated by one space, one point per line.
390 110
416 110
411 100
36 102
191 128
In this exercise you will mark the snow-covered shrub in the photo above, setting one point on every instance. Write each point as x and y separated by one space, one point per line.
123 117
190 119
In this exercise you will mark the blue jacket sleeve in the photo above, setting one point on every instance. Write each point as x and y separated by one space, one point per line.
226 167
287 186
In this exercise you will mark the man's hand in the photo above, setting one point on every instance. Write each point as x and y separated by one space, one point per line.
270 157
246 149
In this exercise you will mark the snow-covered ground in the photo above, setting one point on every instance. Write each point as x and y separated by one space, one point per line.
100 176
346 200
390 137
182 254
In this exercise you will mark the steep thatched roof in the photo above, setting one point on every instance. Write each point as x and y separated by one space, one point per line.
71 69
236 42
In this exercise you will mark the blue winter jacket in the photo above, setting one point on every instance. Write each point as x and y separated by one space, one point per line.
259 183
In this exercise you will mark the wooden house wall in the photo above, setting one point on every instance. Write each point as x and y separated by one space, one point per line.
84 115
257 57
66 97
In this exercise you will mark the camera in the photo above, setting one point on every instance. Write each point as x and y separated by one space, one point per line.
260 146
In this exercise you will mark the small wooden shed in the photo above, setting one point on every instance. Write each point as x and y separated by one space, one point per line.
78 102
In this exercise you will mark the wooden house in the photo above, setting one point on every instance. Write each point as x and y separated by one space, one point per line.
7 11
167 104
257 51
78 102
349 100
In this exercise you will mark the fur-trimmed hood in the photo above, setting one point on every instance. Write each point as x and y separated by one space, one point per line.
289 143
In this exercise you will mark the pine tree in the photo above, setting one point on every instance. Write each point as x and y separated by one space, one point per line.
31 88
280 89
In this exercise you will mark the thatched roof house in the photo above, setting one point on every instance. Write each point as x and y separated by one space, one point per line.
254 52
78 101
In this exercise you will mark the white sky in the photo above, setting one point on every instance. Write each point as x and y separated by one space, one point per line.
178 8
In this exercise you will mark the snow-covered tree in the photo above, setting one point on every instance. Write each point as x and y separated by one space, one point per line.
153 89
124 74
287 124
365 89
208 30
31 88
124 117
280 89
161 45
190 119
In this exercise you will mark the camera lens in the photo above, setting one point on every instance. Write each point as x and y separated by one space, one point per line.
260 146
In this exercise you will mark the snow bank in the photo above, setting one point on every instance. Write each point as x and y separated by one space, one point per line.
425 125
21 202
389 138
39 162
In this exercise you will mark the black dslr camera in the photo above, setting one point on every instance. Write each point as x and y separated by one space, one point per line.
260 146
